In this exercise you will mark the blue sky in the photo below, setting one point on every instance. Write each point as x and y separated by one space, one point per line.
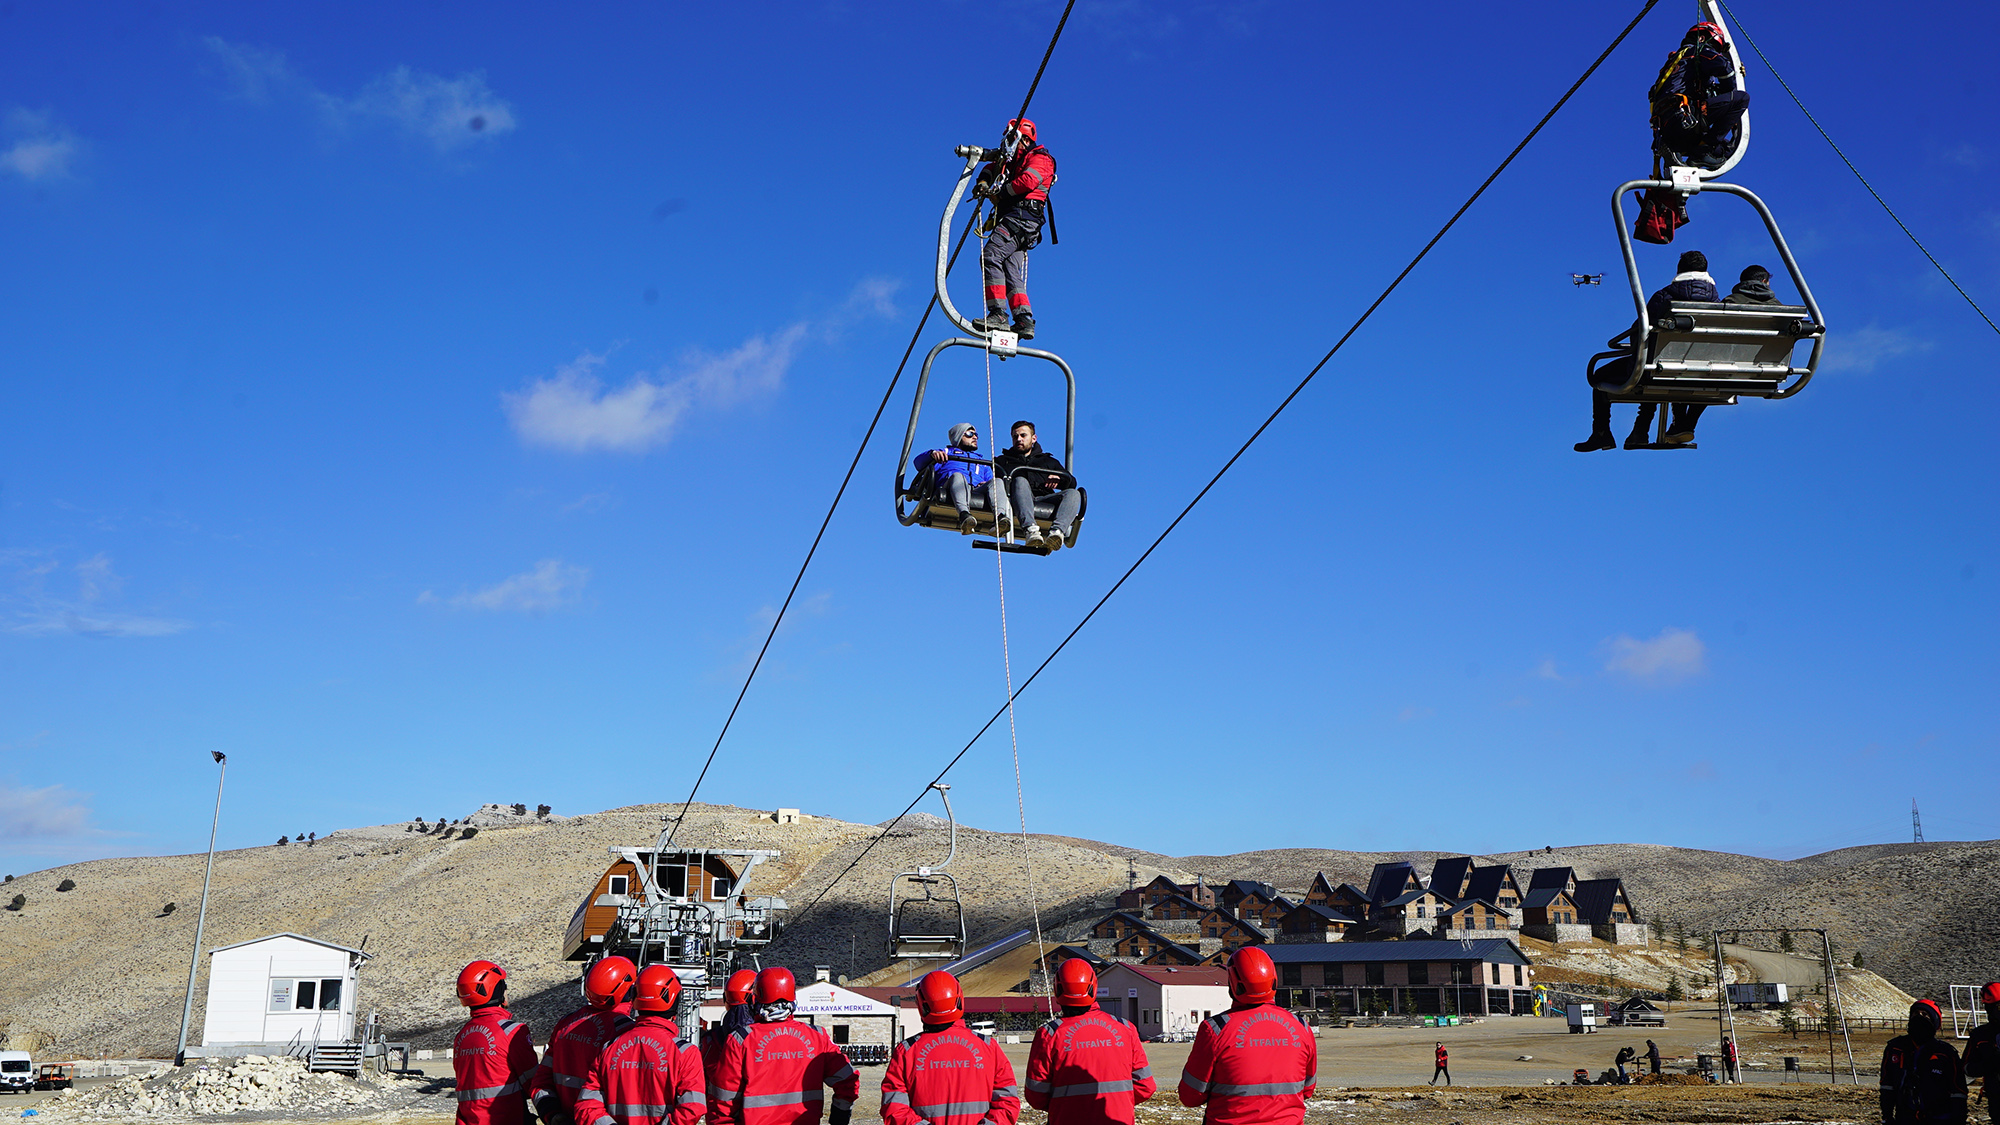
416 465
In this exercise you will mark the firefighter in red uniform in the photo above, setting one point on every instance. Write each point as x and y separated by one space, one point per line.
772 1071
1254 1064
645 1076
1087 1067
577 1039
1019 189
946 1075
493 1056
736 997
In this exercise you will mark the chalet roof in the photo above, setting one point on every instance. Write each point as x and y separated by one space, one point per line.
1595 897
1551 877
1159 879
1192 904
1067 952
1351 890
1499 950
1247 927
1488 881
1388 880
1244 887
1544 896
1449 874
1125 914
1318 911
1176 949
1408 897
301 937
1164 974
1321 883
1463 903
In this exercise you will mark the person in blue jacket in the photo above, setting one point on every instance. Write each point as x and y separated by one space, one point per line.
957 479
1692 283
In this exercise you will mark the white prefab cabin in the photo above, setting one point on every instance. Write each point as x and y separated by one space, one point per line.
281 989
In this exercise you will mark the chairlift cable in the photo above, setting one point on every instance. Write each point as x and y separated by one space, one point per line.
841 492
1245 448
1013 732
1857 172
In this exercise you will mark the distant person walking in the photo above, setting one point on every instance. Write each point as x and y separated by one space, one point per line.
1443 1067
1732 1070
1653 1055
1923 1082
1982 1053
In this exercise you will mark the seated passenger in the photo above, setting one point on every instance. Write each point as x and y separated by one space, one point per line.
1753 287
1692 283
1696 103
955 480
1027 453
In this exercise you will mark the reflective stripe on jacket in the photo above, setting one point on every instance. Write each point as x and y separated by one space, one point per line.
493 1058
1251 1066
573 1046
949 1077
1088 1068
644 1077
1923 1083
773 1074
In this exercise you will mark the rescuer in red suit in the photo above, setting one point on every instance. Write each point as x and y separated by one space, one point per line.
946 1075
1087 1067
772 1071
579 1036
1254 1064
645 1076
736 997
493 1056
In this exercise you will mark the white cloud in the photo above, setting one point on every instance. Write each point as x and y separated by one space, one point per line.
40 149
873 294
1547 670
1673 655
97 625
40 821
447 112
573 410
552 584
38 613
1859 350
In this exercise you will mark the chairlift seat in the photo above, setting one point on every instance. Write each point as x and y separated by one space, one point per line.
931 509
1710 352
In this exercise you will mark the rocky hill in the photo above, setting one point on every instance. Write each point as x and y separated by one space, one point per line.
99 969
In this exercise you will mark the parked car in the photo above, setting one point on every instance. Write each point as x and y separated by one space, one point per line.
55 1076
17 1072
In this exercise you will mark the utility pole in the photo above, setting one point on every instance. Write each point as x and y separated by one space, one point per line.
1916 824
201 920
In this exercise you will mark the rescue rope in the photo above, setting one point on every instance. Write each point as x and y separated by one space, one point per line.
1245 448
1857 172
841 492
1007 662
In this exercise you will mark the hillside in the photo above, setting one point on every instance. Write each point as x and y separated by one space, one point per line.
99 970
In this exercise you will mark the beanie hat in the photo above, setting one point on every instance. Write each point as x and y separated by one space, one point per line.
1694 261
958 431
1755 273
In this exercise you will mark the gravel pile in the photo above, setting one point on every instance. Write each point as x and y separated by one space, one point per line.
277 1086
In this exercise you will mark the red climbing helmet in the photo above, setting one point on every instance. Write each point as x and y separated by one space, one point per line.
1025 128
742 983
1253 979
659 989
1712 30
479 982
940 998
609 981
1990 994
777 984
1076 984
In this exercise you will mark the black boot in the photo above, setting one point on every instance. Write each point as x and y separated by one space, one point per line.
995 321
1598 439
1641 437
1025 324
1600 425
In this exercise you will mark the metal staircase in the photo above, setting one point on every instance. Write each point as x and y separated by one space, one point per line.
344 1057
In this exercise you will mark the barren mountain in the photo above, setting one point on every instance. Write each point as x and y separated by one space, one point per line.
100 969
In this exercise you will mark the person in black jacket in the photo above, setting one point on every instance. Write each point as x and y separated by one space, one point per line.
1753 287
1022 487
1692 283
1697 104
1653 1055
1923 1082
1982 1052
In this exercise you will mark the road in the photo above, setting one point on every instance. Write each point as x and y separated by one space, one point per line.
1779 968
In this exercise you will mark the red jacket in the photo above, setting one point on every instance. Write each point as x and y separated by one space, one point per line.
643 1077
1088 1068
573 1046
1027 176
712 1042
493 1057
771 1074
1251 1066
1443 1058
949 1077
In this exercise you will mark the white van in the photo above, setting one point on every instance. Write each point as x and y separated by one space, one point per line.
17 1072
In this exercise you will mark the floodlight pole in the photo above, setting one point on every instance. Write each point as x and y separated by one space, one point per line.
201 919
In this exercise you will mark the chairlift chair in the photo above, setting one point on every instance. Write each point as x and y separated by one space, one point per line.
930 926
918 501
1706 352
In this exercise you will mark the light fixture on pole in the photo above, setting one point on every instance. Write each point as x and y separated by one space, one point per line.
201 919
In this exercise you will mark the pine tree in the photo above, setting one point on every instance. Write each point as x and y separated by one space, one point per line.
1674 989
1785 942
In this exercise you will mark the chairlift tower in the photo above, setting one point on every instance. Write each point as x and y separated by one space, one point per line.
1916 824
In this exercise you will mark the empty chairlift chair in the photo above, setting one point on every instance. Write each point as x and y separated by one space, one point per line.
926 915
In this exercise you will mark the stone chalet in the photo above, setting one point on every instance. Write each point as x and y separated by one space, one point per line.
1487 976
1310 922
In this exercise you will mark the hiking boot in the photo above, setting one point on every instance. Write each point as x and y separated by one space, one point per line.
1638 439
1003 528
996 321
1680 437
1035 536
1025 325
1055 539
1598 439
966 524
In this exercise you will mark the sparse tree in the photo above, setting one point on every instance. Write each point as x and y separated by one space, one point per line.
1659 928
520 810
1674 989
1681 936
283 840
9 879
541 810
468 834
66 885
1785 942
168 909
17 902
1787 1019
1857 959
409 828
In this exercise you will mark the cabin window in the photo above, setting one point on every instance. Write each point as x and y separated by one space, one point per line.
719 888
1293 975
618 884
303 995
1420 910
1517 976
1373 972
1496 974
1489 921
329 996
1420 972
840 1033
